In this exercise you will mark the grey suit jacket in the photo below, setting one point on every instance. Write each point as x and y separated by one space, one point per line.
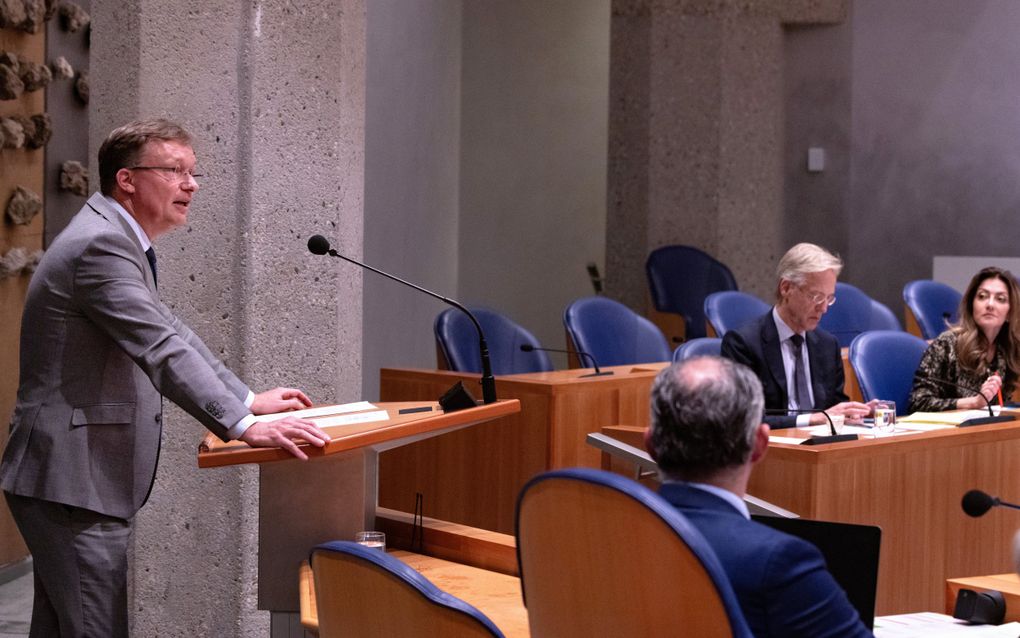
98 348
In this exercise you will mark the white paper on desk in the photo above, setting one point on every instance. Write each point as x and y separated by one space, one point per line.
923 427
325 410
945 418
350 419
791 440
931 625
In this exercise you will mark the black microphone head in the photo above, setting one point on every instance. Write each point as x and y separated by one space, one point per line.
975 503
318 245
527 347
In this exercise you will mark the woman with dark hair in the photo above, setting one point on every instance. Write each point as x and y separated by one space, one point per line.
981 351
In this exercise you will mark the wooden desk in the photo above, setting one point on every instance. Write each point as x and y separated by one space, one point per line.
474 476
1008 584
496 595
911 487
333 494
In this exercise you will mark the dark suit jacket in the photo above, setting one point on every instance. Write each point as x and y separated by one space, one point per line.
98 348
781 581
756 345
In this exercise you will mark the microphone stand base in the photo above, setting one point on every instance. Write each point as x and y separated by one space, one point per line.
986 420
835 438
604 373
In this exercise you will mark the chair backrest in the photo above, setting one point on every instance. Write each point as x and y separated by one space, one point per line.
698 348
730 309
613 333
855 312
601 555
457 343
933 304
362 592
885 362
679 279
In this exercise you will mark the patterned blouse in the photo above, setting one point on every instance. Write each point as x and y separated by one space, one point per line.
940 362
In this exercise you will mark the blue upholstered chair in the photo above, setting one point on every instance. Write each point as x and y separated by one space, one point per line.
855 312
457 343
601 555
705 346
363 592
931 305
885 362
612 333
730 309
679 279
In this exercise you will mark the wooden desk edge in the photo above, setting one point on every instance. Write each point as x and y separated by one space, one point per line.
211 454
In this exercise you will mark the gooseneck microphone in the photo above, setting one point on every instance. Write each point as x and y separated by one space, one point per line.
985 420
527 347
816 440
975 503
319 245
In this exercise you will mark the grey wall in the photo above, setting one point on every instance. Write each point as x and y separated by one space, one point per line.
936 124
918 103
533 157
412 171
485 165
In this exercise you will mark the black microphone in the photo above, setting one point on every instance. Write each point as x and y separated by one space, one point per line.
593 275
527 347
816 440
985 420
319 245
975 503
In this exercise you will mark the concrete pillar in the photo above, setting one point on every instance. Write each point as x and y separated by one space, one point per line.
274 95
695 134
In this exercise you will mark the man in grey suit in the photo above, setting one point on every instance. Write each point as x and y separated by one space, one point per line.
98 352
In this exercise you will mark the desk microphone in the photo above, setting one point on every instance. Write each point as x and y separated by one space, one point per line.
319 245
816 440
527 347
985 420
975 503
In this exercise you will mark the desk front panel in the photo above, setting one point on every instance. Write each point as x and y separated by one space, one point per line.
911 487
473 476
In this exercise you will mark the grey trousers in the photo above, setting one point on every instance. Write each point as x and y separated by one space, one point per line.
80 562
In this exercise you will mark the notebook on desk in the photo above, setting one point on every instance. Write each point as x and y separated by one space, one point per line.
850 551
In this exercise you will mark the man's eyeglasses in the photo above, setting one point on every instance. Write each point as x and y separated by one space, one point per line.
818 298
177 173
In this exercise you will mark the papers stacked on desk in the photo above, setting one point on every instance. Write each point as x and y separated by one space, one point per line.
932 625
330 415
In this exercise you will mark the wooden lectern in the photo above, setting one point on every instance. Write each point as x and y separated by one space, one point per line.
332 495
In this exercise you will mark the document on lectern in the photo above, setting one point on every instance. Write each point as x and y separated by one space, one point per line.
331 415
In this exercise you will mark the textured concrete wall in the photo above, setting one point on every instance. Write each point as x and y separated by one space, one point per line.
695 153
280 134
412 172
533 165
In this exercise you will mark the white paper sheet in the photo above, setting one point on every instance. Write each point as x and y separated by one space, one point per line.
325 410
931 625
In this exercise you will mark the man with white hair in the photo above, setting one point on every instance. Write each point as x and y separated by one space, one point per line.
799 365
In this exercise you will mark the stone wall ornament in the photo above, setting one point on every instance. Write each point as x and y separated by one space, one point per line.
35 76
25 15
12 14
33 262
72 17
81 86
23 206
13 132
42 131
13 262
74 178
35 16
11 86
62 69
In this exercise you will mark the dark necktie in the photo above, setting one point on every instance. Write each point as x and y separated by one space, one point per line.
150 254
800 391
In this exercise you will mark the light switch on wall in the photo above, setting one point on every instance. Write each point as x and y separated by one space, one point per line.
815 159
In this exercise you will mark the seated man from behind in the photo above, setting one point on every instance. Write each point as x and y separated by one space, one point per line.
799 365
706 435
